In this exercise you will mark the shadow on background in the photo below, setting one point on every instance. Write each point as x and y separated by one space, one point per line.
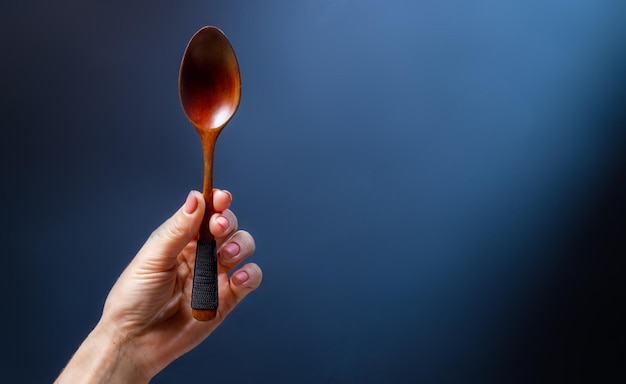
436 188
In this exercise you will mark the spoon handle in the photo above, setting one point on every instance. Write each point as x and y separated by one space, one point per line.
204 292
204 300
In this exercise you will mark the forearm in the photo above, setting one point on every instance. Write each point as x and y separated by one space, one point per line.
102 358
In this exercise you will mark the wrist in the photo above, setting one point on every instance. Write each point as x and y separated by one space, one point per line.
104 357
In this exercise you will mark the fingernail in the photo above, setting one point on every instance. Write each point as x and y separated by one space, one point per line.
231 250
223 222
191 204
242 277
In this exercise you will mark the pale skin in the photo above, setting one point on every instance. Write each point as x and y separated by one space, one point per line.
146 322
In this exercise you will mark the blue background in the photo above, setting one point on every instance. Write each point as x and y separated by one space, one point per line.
436 188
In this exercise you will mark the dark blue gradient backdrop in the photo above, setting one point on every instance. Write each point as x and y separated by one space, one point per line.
436 188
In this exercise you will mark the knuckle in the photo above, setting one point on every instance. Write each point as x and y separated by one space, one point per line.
172 229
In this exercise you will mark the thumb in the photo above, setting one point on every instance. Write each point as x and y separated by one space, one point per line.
169 239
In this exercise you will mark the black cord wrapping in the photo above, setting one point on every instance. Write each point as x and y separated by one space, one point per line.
204 292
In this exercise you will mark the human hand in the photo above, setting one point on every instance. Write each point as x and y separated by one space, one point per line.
147 322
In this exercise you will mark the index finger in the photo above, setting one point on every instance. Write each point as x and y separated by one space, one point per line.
221 200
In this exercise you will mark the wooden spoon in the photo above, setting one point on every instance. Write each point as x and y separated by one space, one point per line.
210 89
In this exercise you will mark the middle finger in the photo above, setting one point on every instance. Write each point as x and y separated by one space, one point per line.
223 225
236 249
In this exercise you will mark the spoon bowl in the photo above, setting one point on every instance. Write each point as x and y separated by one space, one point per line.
210 84
210 90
